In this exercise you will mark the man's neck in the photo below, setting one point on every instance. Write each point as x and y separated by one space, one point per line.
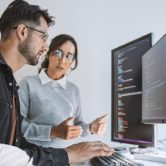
11 55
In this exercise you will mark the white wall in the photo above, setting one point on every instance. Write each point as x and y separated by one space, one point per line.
99 26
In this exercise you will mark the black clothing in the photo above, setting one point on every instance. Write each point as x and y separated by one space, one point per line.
8 89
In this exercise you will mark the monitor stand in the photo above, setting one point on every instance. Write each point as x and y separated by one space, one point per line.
119 149
141 150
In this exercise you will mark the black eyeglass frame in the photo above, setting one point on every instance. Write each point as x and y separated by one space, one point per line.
45 35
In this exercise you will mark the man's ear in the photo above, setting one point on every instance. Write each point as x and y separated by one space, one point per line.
22 32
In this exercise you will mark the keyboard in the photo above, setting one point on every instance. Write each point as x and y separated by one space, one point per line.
116 159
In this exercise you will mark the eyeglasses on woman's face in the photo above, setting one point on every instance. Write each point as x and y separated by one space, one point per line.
59 54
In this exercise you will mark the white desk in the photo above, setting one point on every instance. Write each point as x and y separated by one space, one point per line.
149 163
146 163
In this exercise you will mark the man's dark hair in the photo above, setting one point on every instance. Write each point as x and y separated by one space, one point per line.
57 42
20 11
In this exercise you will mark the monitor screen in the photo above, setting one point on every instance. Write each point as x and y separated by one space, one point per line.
127 126
154 83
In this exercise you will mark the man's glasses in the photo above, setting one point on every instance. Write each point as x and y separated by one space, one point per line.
44 35
59 54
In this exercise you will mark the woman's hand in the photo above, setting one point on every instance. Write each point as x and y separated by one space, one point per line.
98 125
66 131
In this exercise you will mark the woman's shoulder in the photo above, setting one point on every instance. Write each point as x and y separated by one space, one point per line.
29 79
72 86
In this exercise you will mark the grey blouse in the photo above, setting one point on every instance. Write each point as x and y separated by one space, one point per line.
45 103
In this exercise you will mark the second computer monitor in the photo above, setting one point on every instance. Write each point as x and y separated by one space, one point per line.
127 94
154 83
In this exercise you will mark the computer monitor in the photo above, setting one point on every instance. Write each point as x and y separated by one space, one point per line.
127 94
154 83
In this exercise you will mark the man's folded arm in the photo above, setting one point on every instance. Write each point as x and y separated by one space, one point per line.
45 156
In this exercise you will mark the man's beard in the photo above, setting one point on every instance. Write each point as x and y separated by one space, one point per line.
26 49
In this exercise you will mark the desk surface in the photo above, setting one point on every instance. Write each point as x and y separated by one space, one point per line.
146 163
150 163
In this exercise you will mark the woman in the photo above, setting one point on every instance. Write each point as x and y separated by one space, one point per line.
50 104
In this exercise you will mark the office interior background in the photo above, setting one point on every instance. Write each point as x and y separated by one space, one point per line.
98 27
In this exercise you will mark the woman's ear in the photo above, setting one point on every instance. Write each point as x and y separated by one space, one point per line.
73 65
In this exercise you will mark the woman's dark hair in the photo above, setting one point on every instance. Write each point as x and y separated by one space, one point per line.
20 11
56 43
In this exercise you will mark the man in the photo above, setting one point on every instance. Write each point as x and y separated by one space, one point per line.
23 30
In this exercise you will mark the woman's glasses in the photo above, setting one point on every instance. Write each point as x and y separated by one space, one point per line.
60 54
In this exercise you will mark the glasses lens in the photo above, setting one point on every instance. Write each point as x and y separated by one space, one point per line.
45 37
58 53
70 57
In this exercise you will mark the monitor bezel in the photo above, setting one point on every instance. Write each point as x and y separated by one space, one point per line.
140 144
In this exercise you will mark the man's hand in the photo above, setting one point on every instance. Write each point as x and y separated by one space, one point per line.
98 125
66 131
81 152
